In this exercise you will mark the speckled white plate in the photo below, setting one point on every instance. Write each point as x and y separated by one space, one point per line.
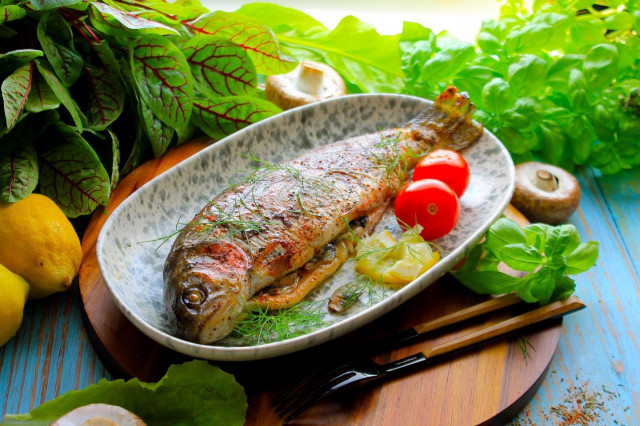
132 269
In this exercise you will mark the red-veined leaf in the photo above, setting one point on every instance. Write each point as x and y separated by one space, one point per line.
18 172
220 117
11 60
56 40
41 97
137 151
61 93
72 175
256 39
115 159
15 90
163 79
175 10
106 98
51 4
117 22
220 67
11 13
158 133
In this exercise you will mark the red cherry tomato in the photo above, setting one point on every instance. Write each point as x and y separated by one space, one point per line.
429 203
448 166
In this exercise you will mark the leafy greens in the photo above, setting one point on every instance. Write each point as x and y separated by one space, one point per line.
193 393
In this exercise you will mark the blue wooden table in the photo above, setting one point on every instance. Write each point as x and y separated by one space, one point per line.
594 376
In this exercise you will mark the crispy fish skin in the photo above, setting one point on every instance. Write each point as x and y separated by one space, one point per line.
254 233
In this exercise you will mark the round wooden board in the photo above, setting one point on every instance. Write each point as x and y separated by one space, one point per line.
488 385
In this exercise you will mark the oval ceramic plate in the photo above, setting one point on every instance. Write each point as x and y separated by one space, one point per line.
132 266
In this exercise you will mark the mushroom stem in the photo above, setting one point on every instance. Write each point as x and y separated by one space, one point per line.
310 79
546 181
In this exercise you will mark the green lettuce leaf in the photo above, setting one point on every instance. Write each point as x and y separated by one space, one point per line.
193 393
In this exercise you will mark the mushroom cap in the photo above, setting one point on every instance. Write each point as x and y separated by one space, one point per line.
545 193
99 415
308 82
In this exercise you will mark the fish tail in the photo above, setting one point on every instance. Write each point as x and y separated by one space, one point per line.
448 122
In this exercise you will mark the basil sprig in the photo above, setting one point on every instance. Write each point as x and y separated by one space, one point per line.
546 254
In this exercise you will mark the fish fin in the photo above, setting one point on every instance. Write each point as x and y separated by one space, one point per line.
448 122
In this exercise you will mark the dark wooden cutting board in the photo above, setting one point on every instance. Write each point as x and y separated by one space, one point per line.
488 385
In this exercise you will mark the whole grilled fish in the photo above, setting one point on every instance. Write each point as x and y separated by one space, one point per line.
255 233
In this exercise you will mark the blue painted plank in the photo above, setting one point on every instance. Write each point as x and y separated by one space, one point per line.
597 354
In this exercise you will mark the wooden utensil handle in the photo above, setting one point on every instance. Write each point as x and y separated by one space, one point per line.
491 305
532 317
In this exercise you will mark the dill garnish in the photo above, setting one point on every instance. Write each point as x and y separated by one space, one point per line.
262 326
525 344
392 157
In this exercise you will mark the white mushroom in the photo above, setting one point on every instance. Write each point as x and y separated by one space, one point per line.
99 415
545 193
309 82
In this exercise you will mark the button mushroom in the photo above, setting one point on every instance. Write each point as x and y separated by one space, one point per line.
99 415
545 193
309 82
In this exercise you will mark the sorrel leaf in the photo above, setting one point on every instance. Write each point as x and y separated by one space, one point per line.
61 92
18 172
55 38
15 90
159 134
115 160
51 4
220 117
117 22
220 67
41 97
11 60
106 98
163 79
11 13
72 175
256 39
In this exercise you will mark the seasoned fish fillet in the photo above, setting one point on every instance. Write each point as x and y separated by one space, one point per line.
283 215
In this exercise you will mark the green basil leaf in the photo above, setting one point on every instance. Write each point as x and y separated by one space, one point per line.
582 258
219 117
15 90
18 172
621 21
41 97
561 240
56 39
447 62
525 115
555 149
541 285
587 33
257 40
163 78
220 67
528 39
497 96
72 175
106 97
473 78
488 282
527 77
417 44
559 71
489 43
61 93
503 232
564 287
601 65
537 234
520 257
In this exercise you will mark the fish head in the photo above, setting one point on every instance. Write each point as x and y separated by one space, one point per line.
206 287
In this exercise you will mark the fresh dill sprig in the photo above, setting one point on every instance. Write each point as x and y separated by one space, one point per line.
262 326
392 157
525 344
303 181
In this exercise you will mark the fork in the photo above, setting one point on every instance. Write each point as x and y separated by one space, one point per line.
321 384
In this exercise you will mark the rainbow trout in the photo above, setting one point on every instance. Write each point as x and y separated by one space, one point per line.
272 231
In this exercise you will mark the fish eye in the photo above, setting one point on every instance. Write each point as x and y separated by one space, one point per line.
193 297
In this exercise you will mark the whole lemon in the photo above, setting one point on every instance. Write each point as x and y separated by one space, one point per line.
13 295
38 242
